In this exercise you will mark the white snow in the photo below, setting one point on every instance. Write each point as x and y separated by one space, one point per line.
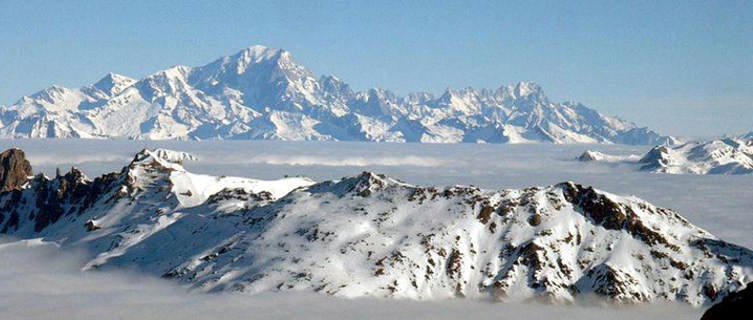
722 156
489 166
371 235
591 155
46 284
262 93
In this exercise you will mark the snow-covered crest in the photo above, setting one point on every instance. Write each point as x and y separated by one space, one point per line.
590 155
173 156
374 235
263 93
721 156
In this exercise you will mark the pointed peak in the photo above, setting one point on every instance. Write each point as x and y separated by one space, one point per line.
174 156
590 155
530 85
113 83
111 76
527 88
362 185
177 71
258 53
15 169
169 159
418 97
49 94
243 60
177 68
370 180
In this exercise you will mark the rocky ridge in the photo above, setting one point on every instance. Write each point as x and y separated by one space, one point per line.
14 169
371 235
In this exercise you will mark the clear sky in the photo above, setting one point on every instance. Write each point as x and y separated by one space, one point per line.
680 67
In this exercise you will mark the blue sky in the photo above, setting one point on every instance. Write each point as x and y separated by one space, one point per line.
680 67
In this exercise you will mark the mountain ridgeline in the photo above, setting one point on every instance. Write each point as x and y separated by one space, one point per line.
729 155
262 93
372 235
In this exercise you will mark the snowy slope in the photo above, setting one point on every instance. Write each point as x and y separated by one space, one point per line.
591 155
722 156
371 235
262 93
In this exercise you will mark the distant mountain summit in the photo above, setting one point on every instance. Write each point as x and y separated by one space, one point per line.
728 155
262 93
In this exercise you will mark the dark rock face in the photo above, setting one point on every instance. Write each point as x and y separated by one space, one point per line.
47 200
14 169
736 305
609 214
587 156
654 159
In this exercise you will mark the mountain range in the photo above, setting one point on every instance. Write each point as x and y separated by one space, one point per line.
728 155
370 235
262 93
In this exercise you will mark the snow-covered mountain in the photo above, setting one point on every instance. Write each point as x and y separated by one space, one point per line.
722 156
371 235
262 93
591 155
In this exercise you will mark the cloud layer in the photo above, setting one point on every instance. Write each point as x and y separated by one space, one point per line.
39 281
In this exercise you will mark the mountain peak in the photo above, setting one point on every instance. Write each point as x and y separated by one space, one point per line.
162 157
14 169
525 89
113 83
556 243
257 53
229 97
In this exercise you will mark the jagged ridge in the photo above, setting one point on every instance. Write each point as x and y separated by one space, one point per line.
373 235
262 93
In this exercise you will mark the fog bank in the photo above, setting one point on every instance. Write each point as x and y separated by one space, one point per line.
38 281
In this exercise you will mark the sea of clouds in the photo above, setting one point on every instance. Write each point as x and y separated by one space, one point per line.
38 281
720 204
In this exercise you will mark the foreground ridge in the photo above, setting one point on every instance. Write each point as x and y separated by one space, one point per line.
371 235
262 93
735 305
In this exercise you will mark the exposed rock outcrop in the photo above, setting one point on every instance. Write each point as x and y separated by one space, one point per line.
14 169
736 305
372 235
